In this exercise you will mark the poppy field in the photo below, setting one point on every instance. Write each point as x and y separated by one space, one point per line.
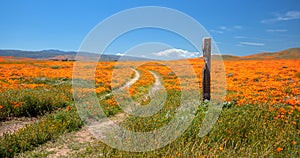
259 118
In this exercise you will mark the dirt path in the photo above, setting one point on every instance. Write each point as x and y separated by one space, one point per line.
127 84
132 81
72 143
13 124
157 84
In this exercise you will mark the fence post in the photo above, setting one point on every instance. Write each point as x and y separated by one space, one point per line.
206 48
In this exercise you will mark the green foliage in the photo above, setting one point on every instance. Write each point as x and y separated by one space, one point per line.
240 131
246 131
33 102
38 133
55 67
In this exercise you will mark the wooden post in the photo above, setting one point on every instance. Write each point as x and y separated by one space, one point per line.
206 48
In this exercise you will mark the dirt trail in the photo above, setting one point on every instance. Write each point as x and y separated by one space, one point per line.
132 81
157 84
13 124
72 143
127 84
84 135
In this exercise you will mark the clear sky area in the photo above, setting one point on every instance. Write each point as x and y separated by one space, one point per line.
238 27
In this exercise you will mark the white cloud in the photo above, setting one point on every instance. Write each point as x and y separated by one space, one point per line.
176 53
239 37
252 43
224 28
238 27
290 15
276 30
217 31
120 54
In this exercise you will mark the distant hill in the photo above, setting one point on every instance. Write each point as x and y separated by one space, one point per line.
14 59
65 55
291 53
52 54
227 57
34 54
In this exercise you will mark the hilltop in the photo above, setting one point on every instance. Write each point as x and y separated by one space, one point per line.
292 53
58 55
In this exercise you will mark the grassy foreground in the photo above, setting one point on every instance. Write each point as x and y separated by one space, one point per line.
247 131
241 131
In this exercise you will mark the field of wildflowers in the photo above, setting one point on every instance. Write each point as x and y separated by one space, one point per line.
260 114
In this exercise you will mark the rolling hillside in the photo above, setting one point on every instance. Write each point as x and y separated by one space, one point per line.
64 55
51 54
291 53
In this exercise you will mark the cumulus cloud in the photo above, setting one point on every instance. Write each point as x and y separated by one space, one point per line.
176 53
290 15
252 43
120 54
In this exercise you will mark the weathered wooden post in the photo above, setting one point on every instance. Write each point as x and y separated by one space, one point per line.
206 48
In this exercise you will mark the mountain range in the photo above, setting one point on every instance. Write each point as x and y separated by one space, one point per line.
52 54
292 53
59 55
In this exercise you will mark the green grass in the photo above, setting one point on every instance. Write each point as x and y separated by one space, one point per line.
55 67
38 102
240 131
35 134
109 110
246 131
33 102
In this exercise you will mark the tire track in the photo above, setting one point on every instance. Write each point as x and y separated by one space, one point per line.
156 86
126 85
84 137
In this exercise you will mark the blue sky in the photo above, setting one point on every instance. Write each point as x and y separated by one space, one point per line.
238 27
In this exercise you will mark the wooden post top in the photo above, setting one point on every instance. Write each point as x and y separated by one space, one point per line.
206 41
206 48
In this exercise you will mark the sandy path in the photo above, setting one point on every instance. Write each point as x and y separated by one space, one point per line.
127 84
157 84
132 81
12 125
83 137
